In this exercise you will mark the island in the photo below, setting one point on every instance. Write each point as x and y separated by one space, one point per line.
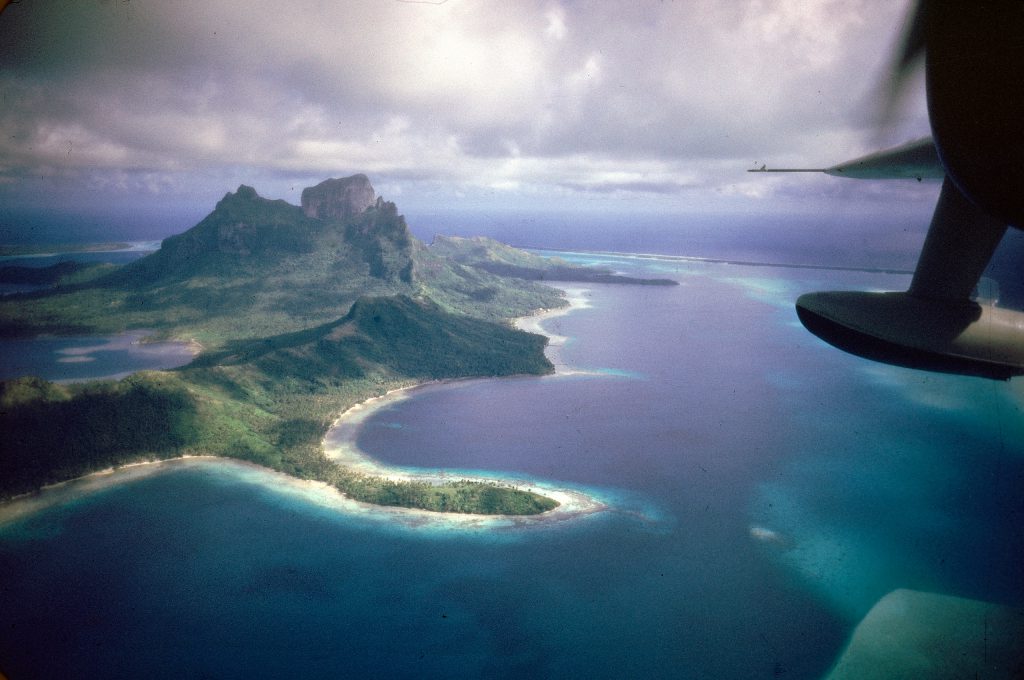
302 312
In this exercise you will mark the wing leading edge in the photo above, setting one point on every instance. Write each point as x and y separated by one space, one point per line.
915 160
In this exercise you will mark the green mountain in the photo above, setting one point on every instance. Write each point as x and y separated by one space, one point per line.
256 267
303 311
246 234
410 338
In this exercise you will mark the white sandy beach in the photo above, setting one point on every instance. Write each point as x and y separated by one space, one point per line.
340 445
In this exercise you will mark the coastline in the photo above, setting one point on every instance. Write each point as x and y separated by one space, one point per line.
533 323
339 445
62 492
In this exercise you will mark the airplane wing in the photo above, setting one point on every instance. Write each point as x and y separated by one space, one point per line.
915 160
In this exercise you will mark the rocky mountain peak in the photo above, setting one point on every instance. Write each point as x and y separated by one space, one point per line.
246 233
247 192
338 199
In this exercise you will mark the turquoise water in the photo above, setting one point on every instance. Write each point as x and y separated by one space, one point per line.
765 491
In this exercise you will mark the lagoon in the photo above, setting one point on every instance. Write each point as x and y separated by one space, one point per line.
89 357
85 357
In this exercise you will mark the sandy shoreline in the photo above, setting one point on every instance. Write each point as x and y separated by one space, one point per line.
578 299
340 445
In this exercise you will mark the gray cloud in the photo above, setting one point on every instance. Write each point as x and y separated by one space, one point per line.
517 98
631 187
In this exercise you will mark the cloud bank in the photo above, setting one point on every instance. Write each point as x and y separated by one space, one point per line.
526 103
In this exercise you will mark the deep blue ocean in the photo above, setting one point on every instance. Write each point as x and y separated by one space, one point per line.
764 491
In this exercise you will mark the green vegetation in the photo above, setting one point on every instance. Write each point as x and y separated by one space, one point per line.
300 319
53 433
255 268
270 402
479 498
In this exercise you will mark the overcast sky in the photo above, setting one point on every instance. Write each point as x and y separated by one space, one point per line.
499 105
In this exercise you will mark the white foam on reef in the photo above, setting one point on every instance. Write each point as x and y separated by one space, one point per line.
574 504
77 359
997 406
143 246
846 568
770 537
